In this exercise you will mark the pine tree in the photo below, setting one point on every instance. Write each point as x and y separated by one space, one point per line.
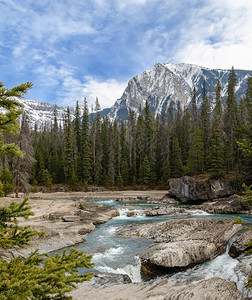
175 159
22 167
205 125
77 127
131 138
194 111
68 148
8 119
185 135
195 159
218 112
215 159
86 146
6 179
231 122
140 141
146 171
124 168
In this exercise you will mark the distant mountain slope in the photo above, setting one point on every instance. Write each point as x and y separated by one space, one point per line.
165 85
42 113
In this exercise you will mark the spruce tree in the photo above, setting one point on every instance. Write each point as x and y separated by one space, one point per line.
215 158
68 148
175 159
195 161
124 169
22 167
194 111
8 119
86 146
231 122
205 125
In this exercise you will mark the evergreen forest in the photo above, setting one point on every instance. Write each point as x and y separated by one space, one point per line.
143 151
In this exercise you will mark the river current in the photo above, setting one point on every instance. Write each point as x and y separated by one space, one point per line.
116 254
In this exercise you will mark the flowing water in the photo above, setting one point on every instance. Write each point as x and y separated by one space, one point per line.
120 255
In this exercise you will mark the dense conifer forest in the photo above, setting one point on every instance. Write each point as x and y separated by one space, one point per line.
142 151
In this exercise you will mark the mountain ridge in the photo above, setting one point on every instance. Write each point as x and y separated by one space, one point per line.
164 86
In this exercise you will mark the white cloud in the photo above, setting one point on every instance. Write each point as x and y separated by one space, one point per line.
218 35
107 91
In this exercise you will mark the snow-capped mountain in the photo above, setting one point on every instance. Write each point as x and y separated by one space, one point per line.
42 113
164 85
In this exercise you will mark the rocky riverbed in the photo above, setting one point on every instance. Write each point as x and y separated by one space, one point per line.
182 243
64 223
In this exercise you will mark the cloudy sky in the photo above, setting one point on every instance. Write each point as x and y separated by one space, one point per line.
75 48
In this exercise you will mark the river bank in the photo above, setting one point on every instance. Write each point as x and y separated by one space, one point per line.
66 217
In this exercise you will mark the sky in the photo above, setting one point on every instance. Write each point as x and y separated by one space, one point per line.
71 49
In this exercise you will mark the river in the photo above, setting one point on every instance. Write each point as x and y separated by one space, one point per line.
120 255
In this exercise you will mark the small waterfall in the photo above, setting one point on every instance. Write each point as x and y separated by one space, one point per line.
137 213
230 242
133 271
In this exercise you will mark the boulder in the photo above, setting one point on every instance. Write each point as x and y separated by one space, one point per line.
160 211
200 188
182 243
229 205
238 247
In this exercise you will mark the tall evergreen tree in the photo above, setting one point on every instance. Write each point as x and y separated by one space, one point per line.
69 149
175 161
194 111
22 167
231 122
86 168
215 158
8 118
205 125
195 161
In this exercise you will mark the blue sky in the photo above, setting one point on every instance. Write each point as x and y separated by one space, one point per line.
72 49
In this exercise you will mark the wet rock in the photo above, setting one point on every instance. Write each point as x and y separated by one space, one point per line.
238 247
160 211
182 243
243 270
131 214
229 205
169 200
200 188
132 199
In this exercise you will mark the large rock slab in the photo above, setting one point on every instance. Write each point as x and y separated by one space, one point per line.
182 243
200 188
64 222
229 205
212 289
238 247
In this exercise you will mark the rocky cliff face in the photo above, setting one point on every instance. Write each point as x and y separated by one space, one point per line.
198 189
166 85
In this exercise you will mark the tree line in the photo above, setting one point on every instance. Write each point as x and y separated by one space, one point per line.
142 151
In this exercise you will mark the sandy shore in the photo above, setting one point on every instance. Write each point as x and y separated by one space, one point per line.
153 194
